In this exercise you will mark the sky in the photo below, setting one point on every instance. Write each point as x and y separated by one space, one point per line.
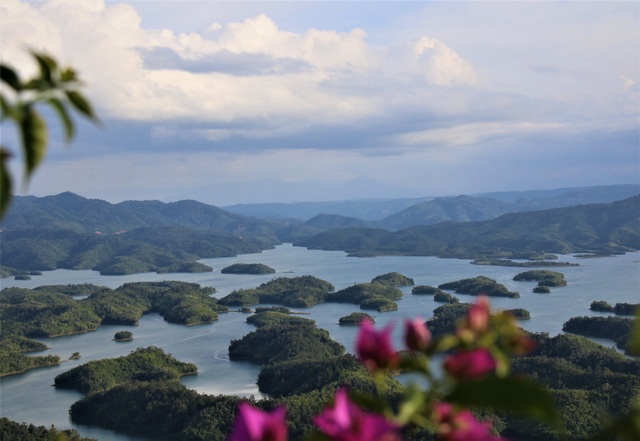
231 102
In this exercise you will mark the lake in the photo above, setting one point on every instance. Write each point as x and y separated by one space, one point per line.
30 397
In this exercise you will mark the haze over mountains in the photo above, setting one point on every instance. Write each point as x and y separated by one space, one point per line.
72 232
395 214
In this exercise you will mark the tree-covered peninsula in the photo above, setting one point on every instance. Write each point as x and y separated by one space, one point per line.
149 249
617 329
143 364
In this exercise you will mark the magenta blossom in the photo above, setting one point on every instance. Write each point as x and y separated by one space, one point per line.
478 315
461 426
345 421
375 348
470 364
253 424
417 336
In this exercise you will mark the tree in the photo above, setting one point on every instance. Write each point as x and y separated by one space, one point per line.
55 86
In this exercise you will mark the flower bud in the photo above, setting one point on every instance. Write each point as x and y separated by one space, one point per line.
478 315
417 336
470 364
374 348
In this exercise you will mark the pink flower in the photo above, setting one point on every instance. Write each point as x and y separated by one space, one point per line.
460 426
253 424
345 421
478 315
375 348
417 336
470 364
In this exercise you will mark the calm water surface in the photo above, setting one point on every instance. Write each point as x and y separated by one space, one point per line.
30 397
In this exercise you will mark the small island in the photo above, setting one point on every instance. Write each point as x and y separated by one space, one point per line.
368 295
445 297
511 263
393 279
248 268
380 304
296 292
480 285
544 277
541 289
354 319
123 336
519 313
600 306
426 290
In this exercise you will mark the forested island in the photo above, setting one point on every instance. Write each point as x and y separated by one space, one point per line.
143 364
247 268
354 319
543 277
296 292
480 285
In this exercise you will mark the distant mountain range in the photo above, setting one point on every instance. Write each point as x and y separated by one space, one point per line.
594 228
395 214
69 231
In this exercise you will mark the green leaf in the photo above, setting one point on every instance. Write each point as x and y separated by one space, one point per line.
47 65
68 75
515 394
10 77
81 104
69 129
5 182
34 139
5 107
413 404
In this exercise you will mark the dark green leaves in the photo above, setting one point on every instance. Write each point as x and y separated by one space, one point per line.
9 76
81 104
514 394
33 131
53 86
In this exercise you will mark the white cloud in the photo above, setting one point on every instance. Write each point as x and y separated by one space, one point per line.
442 65
475 133
104 41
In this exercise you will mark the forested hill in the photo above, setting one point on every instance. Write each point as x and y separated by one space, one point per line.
597 228
69 231
70 211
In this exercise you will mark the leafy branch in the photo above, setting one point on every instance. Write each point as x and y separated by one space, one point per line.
55 86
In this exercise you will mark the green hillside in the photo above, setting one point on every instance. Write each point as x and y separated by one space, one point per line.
596 228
